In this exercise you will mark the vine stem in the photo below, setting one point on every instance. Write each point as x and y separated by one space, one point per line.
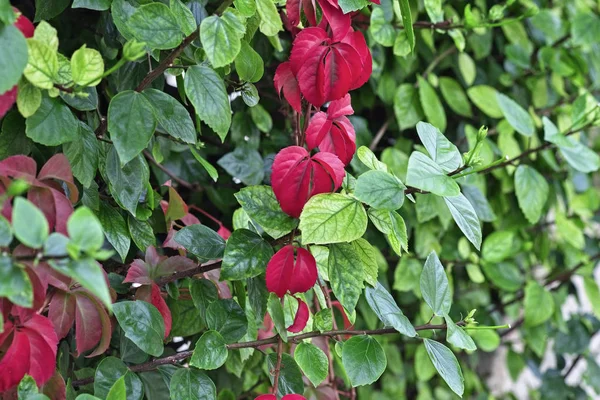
278 365
170 174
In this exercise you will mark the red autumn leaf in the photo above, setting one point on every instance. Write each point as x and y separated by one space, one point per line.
291 269
155 266
300 319
23 24
332 131
7 99
92 325
55 388
335 17
223 232
286 397
328 68
285 80
30 349
151 294
293 9
297 177
61 312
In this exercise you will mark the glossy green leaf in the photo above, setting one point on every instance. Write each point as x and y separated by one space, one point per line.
188 383
220 37
83 155
248 64
128 182
142 324
109 371
388 312
156 25
29 223
227 317
364 360
380 190
52 124
425 174
210 351
201 241
115 229
117 391
446 365
171 115
435 287
312 361
246 255
290 376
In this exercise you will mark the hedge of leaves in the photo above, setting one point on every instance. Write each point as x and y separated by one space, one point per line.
301 199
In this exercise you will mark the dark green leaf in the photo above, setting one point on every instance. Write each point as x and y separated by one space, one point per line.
246 255
142 324
290 376
115 229
364 360
83 155
244 164
446 364
156 25
141 232
109 371
210 351
128 183
435 287
15 284
52 124
227 317
171 115
187 383
201 241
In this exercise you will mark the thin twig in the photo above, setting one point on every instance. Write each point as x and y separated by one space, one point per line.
449 51
379 135
278 365
188 273
171 175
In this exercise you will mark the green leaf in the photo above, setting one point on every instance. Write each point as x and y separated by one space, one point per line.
455 96
260 204
156 25
498 246
352 5
585 28
261 118
368 257
270 22
27 387
593 294
52 124
346 274
97 5
210 351
188 383
468 69
89 274
203 292
578 155
332 218
141 232
220 37
129 182
485 99
6 235
407 106
388 312
212 171
380 190
42 64
407 23
382 30
13 56
201 241
29 99
15 283
131 124
117 391
171 115
363 359
435 287
393 226
184 16
538 303
87 66
48 9
312 361
432 106
249 64
244 164
276 312
440 149
115 229
29 223
532 192
446 365
516 116
83 155
206 91
227 317
368 158
458 337
86 100
246 255
85 230
290 376
465 217
142 324
423 173
111 369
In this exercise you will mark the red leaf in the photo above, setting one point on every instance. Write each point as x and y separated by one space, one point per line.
58 167
138 272
19 167
7 99
338 21
88 325
43 343
151 294
155 266
55 388
15 363
296 177
301 318
61 312
357 41
223 232
294 7
291 269
286 80
24 24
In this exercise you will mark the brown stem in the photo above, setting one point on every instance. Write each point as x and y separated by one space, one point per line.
200 269
278 365
170 174
379 135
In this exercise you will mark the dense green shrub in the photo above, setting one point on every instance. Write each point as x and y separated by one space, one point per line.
330 199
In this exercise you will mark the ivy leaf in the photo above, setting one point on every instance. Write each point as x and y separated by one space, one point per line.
131 124
364 360
246 255
29 223
332 218
260 204
52 124
227 317
210 351
440 149
532 192
312 361
380 190
13 56
516 116
388 312
435 287
446 364
458 337
156 25
201 241
465 217
220 37
539 305
345 274
425 174
171 115
290 376
142 324
206 91
432 106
